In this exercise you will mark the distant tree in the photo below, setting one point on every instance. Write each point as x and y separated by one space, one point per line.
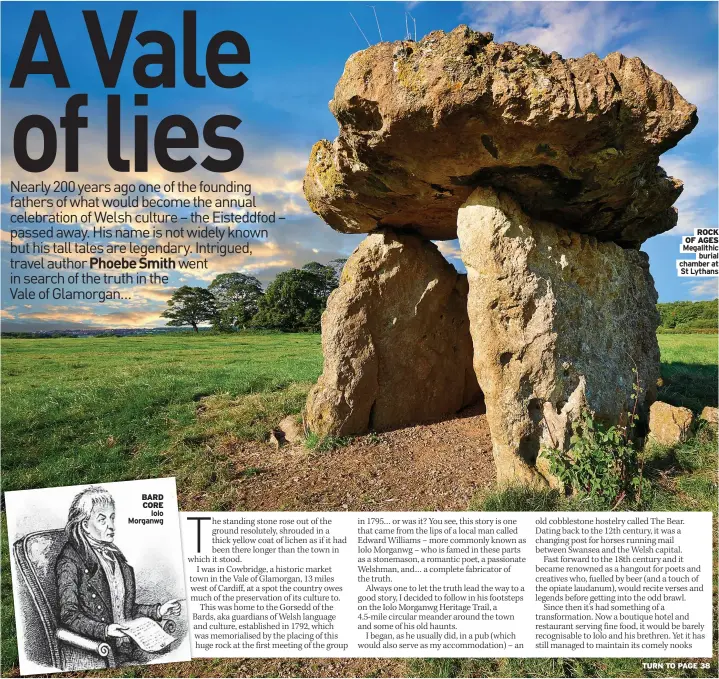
190 306
338 265
238 298
328 275
294 300
688 315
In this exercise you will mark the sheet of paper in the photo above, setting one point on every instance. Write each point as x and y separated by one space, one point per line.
147 634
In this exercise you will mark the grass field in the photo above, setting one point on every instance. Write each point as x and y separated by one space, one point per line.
86 410
689 369
111 409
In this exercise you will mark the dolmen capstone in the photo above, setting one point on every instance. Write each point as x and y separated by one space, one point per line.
547 170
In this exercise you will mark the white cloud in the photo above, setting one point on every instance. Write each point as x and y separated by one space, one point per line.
276 179
5 237
691 218
121 319
449 248
698 179
570 28
699 182
707 288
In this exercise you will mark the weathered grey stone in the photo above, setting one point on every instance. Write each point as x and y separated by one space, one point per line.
576 141
395 338
559 321
668 424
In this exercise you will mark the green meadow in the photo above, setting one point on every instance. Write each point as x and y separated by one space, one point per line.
689 370
83 410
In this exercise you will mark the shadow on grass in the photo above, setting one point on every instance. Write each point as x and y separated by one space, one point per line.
690 385
694 454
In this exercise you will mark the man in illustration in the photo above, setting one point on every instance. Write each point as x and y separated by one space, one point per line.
95 584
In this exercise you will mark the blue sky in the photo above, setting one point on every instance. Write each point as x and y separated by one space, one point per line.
298 51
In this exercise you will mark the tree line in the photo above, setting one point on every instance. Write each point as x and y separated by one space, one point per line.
688 316
293 301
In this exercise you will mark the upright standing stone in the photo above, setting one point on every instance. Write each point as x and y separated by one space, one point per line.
559 321
395 338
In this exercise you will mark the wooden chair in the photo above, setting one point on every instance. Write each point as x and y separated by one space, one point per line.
47 643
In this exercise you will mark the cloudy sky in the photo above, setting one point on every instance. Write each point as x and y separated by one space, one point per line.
298 51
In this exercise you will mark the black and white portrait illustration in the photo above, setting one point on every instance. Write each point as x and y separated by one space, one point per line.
97 576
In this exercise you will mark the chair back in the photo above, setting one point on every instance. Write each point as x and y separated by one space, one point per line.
35 555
